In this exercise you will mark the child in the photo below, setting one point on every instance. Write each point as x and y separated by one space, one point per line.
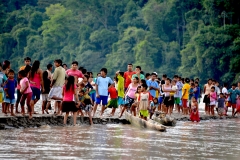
191 94
26 92
113 103
2 75
87 105
45 100
9 89
194 116
238 106
213 98
136 102
221 103
68 105
120 87
144 102
153 106
174 89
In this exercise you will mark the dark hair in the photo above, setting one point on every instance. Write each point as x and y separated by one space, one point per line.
196 79
27 69
147 74
144 85
11 71
209 79
164 76
64 64
155 99
137 89
130 64
49 66
70 83
234 85
6 64
27 59
136 78
84 71
192 80
59 61
192 84
143 81
121 73
82 91
154 74
75 62
213 87
22 73
139 67
141 72
175 76
87 76
80 68
98 73
104 70
214 80
34 68
221 94
169 80
225 84
187 80
196 82
45 75
179 77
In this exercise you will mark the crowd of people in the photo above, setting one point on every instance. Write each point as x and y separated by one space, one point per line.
76 92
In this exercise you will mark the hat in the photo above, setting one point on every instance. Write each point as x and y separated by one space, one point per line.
155 73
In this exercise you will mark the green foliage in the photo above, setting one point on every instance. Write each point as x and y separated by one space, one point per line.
192 38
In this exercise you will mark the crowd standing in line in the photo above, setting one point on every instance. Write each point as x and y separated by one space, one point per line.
76 92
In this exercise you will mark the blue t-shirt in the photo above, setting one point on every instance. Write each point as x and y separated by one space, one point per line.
191 93
179 86
233 95
154 84
10 86
221 102
102 84
197 92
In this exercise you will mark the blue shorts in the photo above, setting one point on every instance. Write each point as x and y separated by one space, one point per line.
35 93
103 99
160 100
10 101
121 101
93 96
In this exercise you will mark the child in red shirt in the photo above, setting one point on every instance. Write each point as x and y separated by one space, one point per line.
113 103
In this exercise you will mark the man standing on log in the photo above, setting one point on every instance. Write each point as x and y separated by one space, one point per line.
128 76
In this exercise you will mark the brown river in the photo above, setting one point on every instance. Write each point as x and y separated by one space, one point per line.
218 139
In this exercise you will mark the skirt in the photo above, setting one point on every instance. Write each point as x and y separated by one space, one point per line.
69 106
194 117
206 99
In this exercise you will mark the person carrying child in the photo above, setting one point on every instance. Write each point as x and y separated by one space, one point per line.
9 89
233 95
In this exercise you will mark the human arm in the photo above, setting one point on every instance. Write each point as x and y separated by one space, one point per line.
41 80
26 86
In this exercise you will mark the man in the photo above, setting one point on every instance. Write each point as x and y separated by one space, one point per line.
233 95
128 76
49 71
185 96
178 93
74 71
57 83
153 85
103 83
138 73
27 61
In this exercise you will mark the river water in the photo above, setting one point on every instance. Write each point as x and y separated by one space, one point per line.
218 139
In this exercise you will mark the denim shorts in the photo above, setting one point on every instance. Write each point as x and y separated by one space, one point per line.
103 99
35 93
10 101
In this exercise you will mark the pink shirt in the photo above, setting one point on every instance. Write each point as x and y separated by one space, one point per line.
68 95
213 96
37 81
74 73
131 91
23 85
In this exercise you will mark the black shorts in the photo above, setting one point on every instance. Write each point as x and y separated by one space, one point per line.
206 99
168 102
69 106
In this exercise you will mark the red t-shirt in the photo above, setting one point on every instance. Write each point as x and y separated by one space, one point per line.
68 95
128 78
74 73
113 93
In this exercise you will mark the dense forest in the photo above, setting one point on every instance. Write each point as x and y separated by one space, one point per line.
193 38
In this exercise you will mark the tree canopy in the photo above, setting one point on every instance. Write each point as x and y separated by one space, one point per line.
192 38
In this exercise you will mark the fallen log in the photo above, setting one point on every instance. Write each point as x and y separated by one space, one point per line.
149 124
161 118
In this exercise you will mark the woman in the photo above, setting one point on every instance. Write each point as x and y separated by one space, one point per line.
6 66
36 82
168 102
68 105
206 99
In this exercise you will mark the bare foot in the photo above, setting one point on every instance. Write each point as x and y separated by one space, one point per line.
13 114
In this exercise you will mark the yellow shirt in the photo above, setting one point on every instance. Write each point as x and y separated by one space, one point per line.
186 87
22 68
120 86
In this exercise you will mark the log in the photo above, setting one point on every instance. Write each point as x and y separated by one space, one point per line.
150 124
165 121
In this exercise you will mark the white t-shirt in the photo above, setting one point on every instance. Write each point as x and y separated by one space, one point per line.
224 90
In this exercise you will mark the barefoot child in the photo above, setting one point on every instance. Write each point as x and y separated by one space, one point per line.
113 103
221 103
87 105
134 107
194 116
9 89
153 106
144 102
26 92
213 98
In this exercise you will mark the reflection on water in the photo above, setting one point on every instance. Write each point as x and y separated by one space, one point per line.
206 140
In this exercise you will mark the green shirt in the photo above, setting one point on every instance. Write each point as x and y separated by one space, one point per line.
141 76
120 86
